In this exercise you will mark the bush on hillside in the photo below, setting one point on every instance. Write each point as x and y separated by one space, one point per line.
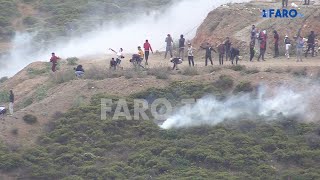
30 119
190 71
3 79
238 67
244 87
224 82
72 61
159 72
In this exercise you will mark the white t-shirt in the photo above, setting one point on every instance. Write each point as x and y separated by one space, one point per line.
190 51
119 55
2 108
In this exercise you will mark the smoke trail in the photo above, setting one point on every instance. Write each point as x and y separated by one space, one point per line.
210 111
181 17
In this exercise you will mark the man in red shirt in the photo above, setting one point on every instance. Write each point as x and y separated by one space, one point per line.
54 60
147 48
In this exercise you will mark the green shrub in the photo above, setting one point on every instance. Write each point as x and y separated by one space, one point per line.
4 96
224 82
64 76
190 71
244 87
159 72
15 131
301 72
29 21
72 61
27 102
36 72
3 79
252 71
238 67
30 119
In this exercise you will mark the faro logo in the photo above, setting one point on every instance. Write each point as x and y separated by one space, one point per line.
280 13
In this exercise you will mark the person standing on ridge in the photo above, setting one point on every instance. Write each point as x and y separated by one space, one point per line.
252 52
222 51
287 43
276 44
284 3
11 102
181 47
311 43
253 32
263 44
300 44
190 54
234 54
169 45
208 49
306 2
147 48
227 44
54 60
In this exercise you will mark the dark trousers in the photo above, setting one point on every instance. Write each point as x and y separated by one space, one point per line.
208 58
261 55
307 2
276 50
54 66
251 53
221 56
146 54
310 47
227 54
284 3
234 57
191 61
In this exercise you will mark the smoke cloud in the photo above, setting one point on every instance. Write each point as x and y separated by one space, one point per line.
211 111
182 17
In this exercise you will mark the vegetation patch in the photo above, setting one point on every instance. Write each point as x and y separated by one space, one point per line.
244 87
30 119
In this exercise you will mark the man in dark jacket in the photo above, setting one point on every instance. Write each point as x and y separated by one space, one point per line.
227 44
276 44
311 43
234 54
11 100
208 49
222 51
181 46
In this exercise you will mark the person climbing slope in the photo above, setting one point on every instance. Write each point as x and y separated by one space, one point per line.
54 60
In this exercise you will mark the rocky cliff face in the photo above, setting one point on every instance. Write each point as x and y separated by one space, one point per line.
235 21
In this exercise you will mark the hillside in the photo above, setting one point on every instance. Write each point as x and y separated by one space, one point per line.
53 20
68 140
235 21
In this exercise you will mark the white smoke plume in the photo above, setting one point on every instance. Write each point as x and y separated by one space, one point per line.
182 17
210 111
